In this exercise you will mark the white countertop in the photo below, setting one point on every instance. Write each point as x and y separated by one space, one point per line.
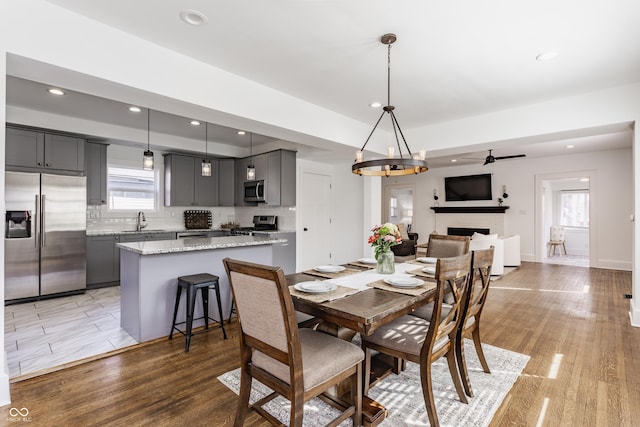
195 244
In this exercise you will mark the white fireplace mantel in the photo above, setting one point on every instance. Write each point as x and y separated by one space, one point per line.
494 219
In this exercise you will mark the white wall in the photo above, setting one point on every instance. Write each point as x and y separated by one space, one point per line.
614 198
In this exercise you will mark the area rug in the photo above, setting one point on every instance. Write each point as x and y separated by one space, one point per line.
506 271
402 394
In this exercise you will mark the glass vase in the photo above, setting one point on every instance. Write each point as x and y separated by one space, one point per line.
386 263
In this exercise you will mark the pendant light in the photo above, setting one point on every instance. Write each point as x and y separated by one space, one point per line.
391 165
206 163
147 159
251 169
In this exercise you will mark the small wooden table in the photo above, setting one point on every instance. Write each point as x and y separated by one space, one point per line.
362 312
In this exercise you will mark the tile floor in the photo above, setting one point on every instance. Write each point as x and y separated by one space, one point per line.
44 334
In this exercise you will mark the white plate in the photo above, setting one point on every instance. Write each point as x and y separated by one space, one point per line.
427 260
315 287
367 260
328 268
403 282
429 270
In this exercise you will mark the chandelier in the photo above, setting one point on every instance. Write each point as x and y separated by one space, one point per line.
392 165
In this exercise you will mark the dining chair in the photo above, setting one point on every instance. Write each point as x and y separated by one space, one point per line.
556 241
445 246
298 364
481 262
420 341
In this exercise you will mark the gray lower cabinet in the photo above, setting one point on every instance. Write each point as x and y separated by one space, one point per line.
184 183
103 256
96 174
103 260
43 151
284 254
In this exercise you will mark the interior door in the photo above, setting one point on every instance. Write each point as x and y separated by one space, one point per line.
64 224
314 213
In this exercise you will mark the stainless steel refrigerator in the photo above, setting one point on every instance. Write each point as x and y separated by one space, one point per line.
45 234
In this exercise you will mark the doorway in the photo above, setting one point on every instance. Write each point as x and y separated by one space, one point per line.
565 201
398 205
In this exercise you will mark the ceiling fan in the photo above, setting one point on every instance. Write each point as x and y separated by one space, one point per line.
491 158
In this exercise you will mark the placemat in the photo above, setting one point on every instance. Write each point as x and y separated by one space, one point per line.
424 264
346 272
428 285
422 274
362 264
339 292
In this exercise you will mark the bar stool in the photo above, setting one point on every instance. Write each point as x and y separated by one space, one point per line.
204 282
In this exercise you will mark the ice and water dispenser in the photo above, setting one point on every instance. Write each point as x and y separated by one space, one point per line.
17 225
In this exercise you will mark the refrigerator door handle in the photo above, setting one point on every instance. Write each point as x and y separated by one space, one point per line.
43 216
36 239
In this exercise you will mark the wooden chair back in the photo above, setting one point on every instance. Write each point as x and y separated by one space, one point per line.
445 246
481 262
265 312
452 274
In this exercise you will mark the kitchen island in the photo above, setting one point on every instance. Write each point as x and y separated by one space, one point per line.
149 274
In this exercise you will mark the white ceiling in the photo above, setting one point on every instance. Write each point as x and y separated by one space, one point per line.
451 60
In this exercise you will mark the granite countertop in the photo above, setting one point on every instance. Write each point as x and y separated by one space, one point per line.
145 231
196 244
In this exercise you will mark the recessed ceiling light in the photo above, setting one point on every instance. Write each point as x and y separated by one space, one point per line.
547 56
454 160
375 105
193 17
134 109
570 146
241 132
584 179
57 92
195 123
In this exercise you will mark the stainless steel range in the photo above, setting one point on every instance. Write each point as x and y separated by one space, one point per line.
260 223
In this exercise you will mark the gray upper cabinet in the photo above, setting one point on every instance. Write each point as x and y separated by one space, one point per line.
241 177
278 170
226 181
38 150
96 174
184 183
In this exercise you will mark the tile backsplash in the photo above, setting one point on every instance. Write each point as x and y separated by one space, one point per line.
172 218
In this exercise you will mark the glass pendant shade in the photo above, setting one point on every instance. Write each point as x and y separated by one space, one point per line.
147 157
147 160
206 168
251 173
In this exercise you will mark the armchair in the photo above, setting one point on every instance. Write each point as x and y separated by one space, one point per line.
409 242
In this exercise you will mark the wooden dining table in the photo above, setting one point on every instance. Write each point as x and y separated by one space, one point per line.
362 312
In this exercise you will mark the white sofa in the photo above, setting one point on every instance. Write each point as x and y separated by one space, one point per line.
506 250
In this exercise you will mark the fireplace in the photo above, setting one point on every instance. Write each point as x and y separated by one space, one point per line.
466 231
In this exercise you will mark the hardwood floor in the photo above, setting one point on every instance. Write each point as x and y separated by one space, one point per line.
572 321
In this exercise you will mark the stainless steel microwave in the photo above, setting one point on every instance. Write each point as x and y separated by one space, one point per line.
254 191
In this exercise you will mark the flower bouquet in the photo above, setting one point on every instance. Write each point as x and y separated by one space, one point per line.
384 236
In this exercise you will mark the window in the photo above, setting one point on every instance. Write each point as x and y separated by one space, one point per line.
393 207
574 208
130 189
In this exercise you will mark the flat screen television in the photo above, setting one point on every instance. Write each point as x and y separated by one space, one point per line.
468 187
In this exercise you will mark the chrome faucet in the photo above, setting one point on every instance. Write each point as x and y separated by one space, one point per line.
141 221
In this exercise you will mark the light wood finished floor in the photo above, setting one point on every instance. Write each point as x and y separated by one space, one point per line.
572 321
